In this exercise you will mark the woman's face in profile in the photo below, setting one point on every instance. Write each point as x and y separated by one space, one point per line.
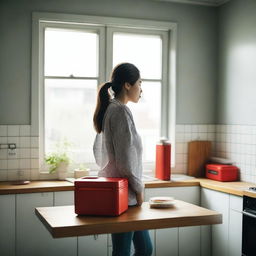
134 92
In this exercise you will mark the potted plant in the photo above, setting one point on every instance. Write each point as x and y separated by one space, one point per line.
58 162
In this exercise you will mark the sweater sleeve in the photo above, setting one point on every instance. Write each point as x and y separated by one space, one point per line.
124 138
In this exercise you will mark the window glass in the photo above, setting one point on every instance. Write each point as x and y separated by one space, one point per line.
71 53
145 51
69 108
147 117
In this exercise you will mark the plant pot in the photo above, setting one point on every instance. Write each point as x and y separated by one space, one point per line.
62 170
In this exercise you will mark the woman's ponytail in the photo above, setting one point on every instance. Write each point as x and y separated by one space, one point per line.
101 107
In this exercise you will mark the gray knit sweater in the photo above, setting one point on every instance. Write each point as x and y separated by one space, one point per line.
118 148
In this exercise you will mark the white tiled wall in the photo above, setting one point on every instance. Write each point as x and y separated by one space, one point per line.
234 142
238 143
186 133
24 164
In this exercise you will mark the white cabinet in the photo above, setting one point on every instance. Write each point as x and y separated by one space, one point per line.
226 238
32 236
167 242
235 226
173 241
63 198
7 225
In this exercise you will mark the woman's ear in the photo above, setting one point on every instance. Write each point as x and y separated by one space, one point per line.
127 86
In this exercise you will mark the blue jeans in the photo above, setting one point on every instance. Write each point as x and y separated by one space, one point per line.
122 243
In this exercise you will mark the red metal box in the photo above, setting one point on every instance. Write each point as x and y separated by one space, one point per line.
101 196
221 172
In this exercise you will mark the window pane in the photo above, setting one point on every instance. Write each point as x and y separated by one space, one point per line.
69 108
71 52
145 51
147 117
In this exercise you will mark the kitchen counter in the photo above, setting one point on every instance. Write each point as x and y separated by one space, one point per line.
61 221
235 188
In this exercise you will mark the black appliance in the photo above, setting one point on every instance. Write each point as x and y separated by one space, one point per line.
249 225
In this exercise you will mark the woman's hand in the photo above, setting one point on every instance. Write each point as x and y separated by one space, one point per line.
140 198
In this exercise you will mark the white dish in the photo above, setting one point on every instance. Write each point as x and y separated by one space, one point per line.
161 202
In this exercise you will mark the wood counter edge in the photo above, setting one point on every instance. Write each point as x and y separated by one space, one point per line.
210 218
55 186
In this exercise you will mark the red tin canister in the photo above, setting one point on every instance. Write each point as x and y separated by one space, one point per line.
163 160
101 196
221 172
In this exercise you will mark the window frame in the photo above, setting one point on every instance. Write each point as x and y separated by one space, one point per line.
106 26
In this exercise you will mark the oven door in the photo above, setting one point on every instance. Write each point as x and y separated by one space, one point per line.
249 233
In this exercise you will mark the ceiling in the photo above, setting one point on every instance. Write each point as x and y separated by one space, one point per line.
198 2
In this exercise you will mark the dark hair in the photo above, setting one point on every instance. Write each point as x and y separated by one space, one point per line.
122 73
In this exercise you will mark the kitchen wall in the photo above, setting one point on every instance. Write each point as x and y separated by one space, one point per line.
236 119
237 60
196 80
214 102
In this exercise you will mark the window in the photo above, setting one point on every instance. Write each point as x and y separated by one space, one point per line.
76 57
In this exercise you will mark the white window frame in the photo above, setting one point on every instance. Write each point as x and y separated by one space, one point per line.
110 25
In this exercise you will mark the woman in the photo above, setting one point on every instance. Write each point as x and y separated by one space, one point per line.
118 149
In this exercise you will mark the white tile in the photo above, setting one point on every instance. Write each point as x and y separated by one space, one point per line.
24 130
25 142
187 137
180 137
34 174
3 130
3 164
3 153
202 128
211 136
24 163
203 136
3 140
179 158
12 175
179 148
24 174
3 175
13 130
24 153
12 164
194 128
34 142
211 128
34 163
180 128
188 128
34 153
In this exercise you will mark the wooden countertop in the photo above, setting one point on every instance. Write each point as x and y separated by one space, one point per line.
61 221
235 188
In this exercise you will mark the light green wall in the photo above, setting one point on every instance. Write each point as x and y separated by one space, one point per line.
237 62
196 80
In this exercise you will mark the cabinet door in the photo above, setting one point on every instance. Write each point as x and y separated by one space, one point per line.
189 241
166 242
63 198
96 245
7 225
187 194
32 236
235 233
219 202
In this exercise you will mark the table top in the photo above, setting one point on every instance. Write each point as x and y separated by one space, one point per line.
62 221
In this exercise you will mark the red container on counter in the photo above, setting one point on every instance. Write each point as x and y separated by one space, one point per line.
101 196
163 160
221 172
